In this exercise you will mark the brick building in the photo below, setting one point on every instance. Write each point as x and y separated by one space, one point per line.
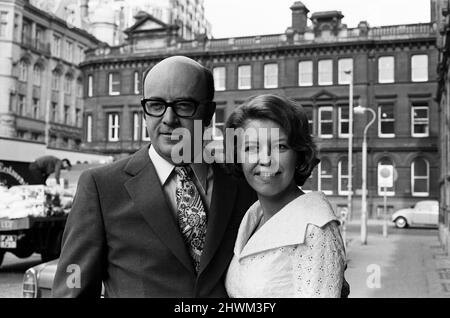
41 85
394 73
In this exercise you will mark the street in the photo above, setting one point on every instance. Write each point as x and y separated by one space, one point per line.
409 261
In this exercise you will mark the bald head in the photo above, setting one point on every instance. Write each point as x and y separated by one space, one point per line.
180 75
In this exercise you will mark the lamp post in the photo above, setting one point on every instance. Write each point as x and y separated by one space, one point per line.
361 110
350 142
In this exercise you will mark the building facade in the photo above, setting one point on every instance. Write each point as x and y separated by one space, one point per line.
41 96
443 94
393 71
107 19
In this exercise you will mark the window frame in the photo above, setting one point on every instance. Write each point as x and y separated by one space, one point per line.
342 120
342 176
383 81
240 77
344 79
113 127
413 121
90 89
320 73
300 73
270 73
319 128
416 78
218 79
112 83
320 176
380 121
413 178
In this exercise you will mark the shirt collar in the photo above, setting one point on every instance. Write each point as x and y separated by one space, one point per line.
164 169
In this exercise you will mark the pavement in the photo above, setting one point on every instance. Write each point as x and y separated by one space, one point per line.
407 263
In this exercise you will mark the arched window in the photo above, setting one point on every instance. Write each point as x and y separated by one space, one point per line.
68 84
56 78
343 176
325 177
385 161
420 177
23 71
37 75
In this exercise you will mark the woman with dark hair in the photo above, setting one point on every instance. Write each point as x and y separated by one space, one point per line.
288 244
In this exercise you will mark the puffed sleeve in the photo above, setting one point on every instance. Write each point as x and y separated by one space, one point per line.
319 263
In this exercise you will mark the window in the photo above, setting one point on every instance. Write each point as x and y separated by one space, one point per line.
419 68
420 177
385 161
244 77
386 121
218 123
114 83
55 80
305 73
136 126
54 112
386 69
345 65
56 46
78 117
90 83
89 128
66 114
343 176
145 135
326 122
326 72
113 127
69 51
79 88
219 78
37 75
325 177
80 54
35 110
21 105
3 23
419 120
16 34
343 121
26 31
136 82
271 75
23 71
68 84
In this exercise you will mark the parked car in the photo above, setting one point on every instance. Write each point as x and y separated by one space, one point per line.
38 280
422 213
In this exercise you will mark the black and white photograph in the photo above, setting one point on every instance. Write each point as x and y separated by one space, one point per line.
226 149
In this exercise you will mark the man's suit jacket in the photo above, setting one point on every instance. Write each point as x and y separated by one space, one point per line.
121 231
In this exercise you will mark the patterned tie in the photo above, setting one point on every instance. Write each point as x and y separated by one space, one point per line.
191 214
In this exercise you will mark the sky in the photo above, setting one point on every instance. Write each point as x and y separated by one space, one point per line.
233 18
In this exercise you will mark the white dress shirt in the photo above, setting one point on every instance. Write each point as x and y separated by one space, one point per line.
203 179
298 252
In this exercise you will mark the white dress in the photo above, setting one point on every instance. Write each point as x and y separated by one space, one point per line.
298 252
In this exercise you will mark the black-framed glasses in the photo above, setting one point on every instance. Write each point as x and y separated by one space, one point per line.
183 107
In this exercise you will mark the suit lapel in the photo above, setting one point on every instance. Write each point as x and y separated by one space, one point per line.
222 201
147 194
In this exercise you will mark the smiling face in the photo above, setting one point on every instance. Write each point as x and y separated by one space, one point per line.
268 163
176 78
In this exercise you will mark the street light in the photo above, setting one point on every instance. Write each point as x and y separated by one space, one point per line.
350 141
361 110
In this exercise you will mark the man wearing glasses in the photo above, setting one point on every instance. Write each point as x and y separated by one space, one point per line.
145 226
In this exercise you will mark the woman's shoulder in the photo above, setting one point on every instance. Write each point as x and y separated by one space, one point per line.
313 208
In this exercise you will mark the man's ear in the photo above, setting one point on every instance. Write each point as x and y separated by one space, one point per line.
209 113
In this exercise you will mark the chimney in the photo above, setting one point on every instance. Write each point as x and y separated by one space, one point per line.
299 17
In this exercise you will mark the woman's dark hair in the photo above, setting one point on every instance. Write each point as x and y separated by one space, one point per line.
289 115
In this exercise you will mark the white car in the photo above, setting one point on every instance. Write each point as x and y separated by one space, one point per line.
422 213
